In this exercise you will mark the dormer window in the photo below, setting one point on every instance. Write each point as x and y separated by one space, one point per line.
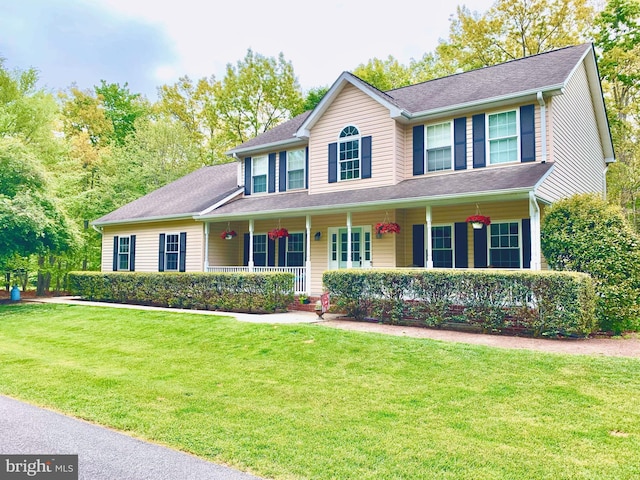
259 172
349 153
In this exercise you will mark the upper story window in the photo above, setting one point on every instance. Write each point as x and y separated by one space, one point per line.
259 172
295 169
438 147
502 137
123 253
349 153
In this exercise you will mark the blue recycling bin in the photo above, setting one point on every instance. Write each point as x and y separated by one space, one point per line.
15 293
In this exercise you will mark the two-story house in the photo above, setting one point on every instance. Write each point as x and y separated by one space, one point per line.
505 141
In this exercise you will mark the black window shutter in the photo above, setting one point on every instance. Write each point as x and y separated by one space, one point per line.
366 157
282 251
418 245
306 167
461 245
182 252
283 172
132 253
479 147
527 133
460 143
272 172
526 243
418 150
245 257
247 176
161 254
116 251
480 247
271 252
333 162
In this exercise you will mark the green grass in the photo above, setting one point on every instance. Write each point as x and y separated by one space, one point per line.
306 401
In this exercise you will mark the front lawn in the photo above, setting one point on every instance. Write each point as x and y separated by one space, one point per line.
306 401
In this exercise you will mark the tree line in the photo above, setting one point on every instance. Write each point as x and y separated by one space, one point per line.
70 157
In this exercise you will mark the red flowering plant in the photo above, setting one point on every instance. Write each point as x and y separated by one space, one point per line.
228 234
479 219
278 233
387 227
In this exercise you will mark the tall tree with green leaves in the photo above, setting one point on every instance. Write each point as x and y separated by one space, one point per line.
122 108
513 29
255 95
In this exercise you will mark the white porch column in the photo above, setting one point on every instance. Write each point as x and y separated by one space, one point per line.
206 246
534 215
349 260
429 263
250 263
307 263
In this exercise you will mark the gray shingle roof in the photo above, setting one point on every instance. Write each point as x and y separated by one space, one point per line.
187 196
471 182
533 73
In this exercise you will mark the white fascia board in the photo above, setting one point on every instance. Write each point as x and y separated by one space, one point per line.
159 218
543 178
220 203
336 88
486 102
266 146
511 194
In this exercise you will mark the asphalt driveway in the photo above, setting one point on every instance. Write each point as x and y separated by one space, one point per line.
103 454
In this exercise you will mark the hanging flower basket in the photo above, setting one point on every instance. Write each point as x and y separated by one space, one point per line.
278 233
478 221
228 234
387 227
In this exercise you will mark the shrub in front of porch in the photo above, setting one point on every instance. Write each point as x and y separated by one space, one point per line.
538 303
235 292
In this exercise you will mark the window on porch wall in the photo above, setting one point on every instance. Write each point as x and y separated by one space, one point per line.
295 250
442 246
504 245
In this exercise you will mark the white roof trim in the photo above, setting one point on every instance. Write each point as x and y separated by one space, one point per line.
336 88
266 146
158 218
221 202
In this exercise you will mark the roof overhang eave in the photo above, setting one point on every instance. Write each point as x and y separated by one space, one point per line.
550 90
448 199
158 218
266 146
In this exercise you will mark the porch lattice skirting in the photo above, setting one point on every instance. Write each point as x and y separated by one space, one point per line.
299 273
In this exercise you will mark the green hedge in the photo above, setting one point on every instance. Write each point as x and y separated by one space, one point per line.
538 303
233 292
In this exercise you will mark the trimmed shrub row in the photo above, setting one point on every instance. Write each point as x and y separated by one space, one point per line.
234 292
537 303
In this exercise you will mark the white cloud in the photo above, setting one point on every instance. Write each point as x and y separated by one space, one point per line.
321 40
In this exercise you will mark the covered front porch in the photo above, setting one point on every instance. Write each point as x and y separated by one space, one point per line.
433 235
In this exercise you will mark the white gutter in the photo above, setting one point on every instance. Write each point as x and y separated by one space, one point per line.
182 216
265 146
97 229
543 125
534 216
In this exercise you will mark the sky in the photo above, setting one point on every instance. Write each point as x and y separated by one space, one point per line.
149 43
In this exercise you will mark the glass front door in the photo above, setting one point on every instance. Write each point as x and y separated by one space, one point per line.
360 247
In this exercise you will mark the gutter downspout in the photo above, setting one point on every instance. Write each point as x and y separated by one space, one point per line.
97 229
206 246
543 126
534 215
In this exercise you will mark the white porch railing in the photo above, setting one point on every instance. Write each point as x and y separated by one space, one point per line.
299 273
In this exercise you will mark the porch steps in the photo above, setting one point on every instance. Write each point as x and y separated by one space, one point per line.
306 307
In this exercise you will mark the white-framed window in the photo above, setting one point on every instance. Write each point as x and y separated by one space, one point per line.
442 246
502 137
295 169
124 252
171 251
349 153
260 250
295 250
438 142
259 174
504 244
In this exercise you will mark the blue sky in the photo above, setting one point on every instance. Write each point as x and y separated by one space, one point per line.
150 43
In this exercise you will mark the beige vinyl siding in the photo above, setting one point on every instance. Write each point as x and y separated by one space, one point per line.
400 156
226 252
497 211
576 147
353 107
147 243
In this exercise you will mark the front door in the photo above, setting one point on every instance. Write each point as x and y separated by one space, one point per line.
360 247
